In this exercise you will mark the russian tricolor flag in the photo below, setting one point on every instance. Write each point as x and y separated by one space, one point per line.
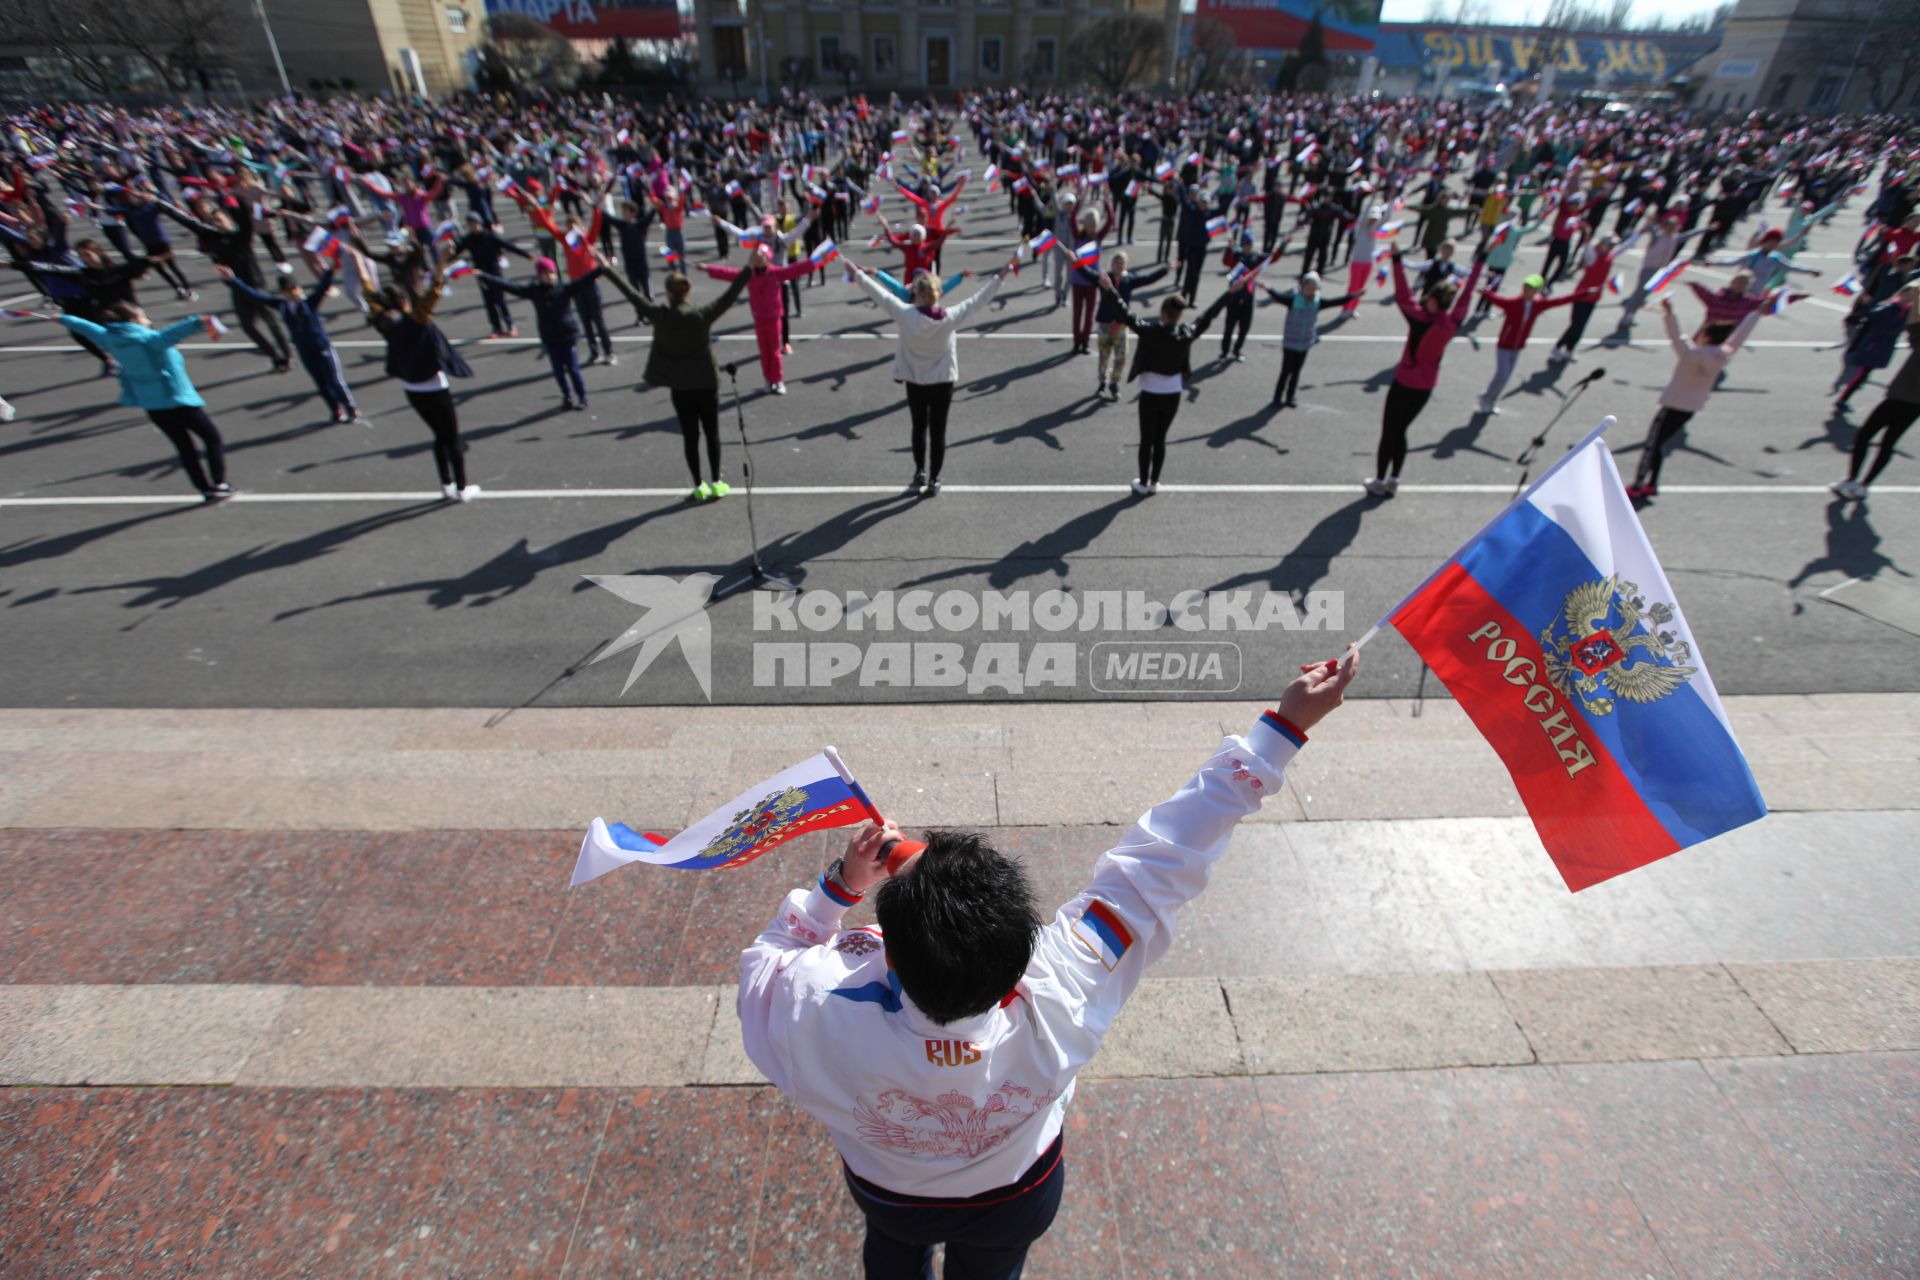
1163 171
1848 285
1557 632
823 253
814 795
1041 243
458 269
1216 225
1088 255
1665 276
1102 929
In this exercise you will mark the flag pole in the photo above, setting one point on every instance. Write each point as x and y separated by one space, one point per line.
846 776
1468 545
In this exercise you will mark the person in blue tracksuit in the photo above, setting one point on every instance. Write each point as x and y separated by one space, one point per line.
558 326
299 309
154 377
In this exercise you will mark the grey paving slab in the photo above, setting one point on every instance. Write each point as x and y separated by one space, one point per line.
1171 1028
517 1036
1377 1022
1839 1006
1376 897
21 1008
143 1035
1620 1015
724 1059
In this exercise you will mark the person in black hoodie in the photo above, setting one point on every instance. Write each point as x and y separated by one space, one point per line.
556 322
1162 364
1110 325
485 248
419 355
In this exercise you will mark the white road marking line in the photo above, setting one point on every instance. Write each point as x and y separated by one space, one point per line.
870 490
1400 339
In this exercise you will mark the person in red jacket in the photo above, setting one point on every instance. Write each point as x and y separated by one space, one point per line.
1568 223
920 244
1517 316
763 301
1596 267
1432 320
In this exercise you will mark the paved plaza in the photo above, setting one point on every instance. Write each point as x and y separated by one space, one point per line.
293 983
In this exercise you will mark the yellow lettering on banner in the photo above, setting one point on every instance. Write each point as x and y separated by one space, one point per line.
1570 56
1523 47
1479 50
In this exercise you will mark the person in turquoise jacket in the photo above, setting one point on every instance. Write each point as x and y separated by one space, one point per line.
154 377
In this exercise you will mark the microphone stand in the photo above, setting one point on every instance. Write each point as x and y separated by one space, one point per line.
1526 459
756 576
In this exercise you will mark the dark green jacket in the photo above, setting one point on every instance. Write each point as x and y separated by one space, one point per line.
682 354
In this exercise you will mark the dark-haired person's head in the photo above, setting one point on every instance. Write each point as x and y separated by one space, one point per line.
1171 309
1716 333
959 923
678 287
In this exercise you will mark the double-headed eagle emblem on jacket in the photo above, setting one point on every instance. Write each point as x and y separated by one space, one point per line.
751 826
1598 629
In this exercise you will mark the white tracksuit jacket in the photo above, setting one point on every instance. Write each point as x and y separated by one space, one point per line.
956 1110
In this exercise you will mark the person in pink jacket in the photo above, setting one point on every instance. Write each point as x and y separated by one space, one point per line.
1432 320
1700 365
763 300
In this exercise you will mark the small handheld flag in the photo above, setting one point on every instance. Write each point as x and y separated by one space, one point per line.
1216 225
575 238
1848 285
1665 276
1501 232
1782 299
870 205
16 313
1388 230
458 269
1559 635
668 252
1041 243
900 136
1133 188
1615 284
815 795
1067 171
1163 171
1380 275
446 233
993 176
1087 255
1307 153
823 253
215 330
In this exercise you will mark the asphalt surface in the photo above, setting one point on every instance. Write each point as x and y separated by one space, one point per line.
338 579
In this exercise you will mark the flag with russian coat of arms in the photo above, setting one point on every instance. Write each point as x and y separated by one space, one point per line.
1556 630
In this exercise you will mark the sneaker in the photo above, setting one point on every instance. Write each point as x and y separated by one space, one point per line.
721 488
1849 488
919 482
933 487
779 388
1557 355
1153 487
1140 488
1238 358
1375 488
469 493
449 493
1292 403
580 406
1393 485
193 295
219 493
593 358
702 492
360 419
612 358
514 332
786 348
567 405
7 411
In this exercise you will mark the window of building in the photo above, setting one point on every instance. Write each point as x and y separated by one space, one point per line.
1046 58
1780 88
1826 92
886 58
993 57
829 55
456 19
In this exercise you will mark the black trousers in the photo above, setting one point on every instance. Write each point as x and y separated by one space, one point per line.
699 411
1578 315
927 404
436 410
1889 420
593 320
1123 219
262 323
499 319
182 426
985 1241
1666 425
1157 409
1403 406
1556 262
1291 362
1237 319
1193 260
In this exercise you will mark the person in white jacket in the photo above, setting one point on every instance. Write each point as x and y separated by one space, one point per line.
927 360
1696 371
940 1048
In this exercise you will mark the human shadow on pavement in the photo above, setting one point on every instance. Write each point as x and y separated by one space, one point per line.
789 555
28 550
1039 428
504 574
1838 435
164 592
1244 428
1464 438
1048 553
1853 547
1311 559
1000 381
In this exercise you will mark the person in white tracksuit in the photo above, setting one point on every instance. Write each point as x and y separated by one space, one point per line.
940 1049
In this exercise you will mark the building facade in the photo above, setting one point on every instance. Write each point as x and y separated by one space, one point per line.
1790 55
907 45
